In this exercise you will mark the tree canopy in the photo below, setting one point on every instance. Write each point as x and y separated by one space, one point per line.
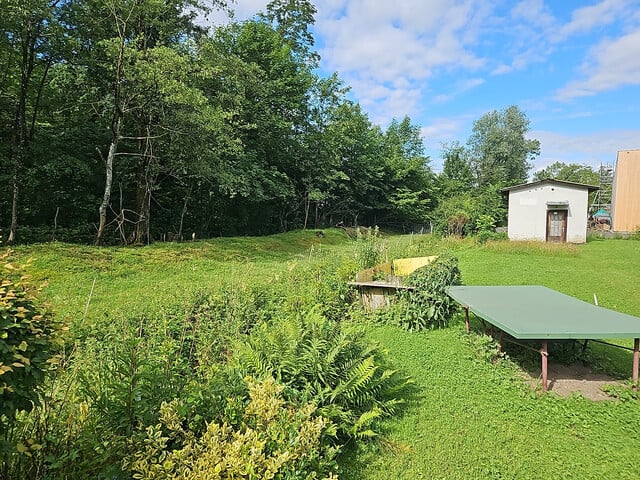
569 172
500 153
128 122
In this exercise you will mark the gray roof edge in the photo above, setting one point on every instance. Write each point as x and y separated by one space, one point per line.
591 188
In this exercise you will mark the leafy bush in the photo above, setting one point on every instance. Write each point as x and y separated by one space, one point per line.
275 439
215 321
370 248
427 305
30 337
322 283
320 361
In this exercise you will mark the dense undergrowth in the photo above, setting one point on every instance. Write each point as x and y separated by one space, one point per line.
267 367
205 359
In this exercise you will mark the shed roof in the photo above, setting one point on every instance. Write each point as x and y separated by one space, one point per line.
591 188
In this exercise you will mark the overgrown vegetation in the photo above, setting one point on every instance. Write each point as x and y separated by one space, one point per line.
104 414
426 304
157 373
272 439
30 339
327 363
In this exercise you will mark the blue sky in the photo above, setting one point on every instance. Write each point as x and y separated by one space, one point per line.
572 66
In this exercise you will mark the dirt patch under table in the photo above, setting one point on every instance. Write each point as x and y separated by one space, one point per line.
565 380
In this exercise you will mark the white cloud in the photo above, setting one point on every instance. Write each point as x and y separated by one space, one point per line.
534 12
587 18
388 51
458 89
535 33
611 64
587 149
241 10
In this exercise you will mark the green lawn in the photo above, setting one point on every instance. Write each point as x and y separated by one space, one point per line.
471 418
466 417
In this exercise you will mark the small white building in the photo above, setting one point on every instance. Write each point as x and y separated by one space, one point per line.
548 211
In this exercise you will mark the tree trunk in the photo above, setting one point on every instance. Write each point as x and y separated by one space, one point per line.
141 233
106 198
20 134
116 124
184 212
307 206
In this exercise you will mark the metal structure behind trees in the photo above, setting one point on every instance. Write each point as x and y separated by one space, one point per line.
602 198
601 205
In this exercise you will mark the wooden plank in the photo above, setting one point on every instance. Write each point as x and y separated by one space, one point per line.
626 194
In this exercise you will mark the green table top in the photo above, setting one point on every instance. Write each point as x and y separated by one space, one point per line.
535 312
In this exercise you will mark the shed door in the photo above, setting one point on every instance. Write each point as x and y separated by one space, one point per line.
557 226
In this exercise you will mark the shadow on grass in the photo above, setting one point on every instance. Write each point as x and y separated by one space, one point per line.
355 457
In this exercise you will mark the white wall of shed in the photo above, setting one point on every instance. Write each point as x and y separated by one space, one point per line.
527 217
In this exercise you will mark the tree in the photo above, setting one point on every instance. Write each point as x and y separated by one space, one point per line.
571 172
456 176
500 152
360 168
275 112
30 30
292 19
409 180
137 58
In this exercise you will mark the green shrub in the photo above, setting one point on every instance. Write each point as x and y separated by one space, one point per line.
215 321
275 439
320 282
320 361
30 338
370 248
427 305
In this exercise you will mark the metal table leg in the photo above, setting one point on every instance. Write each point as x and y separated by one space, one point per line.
636 355
544 354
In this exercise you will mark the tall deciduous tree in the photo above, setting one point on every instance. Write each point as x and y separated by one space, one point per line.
500 152
29 30
409 179
293 19
133 49
275 113
456 176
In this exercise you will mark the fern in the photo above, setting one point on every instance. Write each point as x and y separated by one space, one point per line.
319 361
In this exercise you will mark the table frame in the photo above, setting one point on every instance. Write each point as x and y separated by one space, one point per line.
544 351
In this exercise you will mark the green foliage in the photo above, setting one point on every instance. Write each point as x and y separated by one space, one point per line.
500 152
322 361
215 321
456 177
30 338
274 439
223 131
571 172
470 212
485 228
463 392
427 305
370 247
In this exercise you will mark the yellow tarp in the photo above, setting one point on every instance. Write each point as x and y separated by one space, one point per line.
388 271
405 266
